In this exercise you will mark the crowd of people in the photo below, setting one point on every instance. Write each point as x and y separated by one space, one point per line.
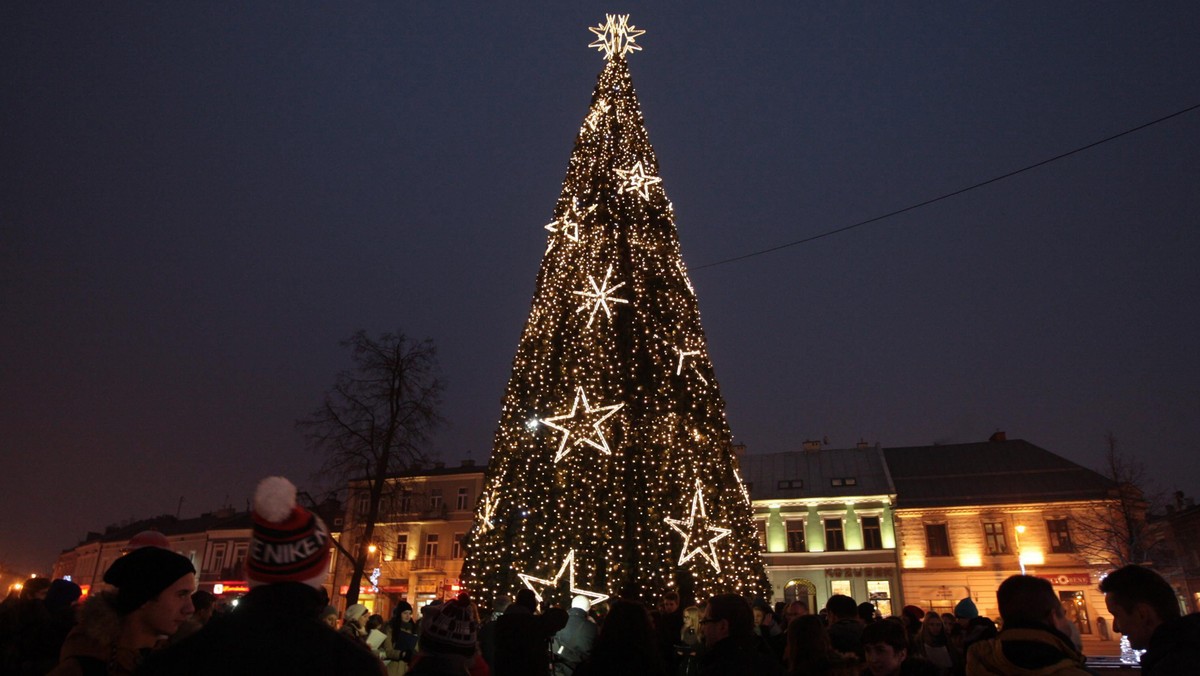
153 622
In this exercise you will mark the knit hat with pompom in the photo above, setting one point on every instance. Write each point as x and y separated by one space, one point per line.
288 543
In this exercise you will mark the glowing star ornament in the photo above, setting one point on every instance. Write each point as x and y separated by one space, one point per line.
569 223
616 36
567 567
637 180
581 424
601 296
597 114
696 527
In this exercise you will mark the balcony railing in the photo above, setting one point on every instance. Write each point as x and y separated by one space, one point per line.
429 563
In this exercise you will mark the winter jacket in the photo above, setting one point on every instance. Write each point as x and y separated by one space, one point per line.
523 642
738 657
94 646
573 643
1174 648
274 630
1032 650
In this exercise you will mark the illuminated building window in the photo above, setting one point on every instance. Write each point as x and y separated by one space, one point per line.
463 498
795 536
788 484
1060 536
835 540
841 587
431 545
872 534
937 539
879 592
843 481
458 545
761 526
993 533
402 547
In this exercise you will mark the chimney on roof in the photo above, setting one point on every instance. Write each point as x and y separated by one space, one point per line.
998 435
863 445
811 446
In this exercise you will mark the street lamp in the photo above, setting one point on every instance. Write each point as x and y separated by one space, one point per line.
1020 561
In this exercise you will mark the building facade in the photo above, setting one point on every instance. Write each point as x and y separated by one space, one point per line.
826 526
416 551
968 516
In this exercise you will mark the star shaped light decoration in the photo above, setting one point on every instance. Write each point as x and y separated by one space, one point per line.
600 295
577 424
694 528
637 180
568 567
490 501
594 117
570 221
616 36
683 355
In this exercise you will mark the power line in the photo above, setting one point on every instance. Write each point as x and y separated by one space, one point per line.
949 194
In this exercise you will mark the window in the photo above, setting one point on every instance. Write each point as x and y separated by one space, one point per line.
431 545
872 533
216 559
462 498
761 527
879 592
1060 536
843 481
835 540
993 533
788 484
404 501
937 539
361 504
841 587
457 552
795 536
401 551
435 499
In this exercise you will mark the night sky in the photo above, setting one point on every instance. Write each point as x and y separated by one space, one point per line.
198 201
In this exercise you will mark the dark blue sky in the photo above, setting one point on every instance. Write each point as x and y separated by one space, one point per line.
199 200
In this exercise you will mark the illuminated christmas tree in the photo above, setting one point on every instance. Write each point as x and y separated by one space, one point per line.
612 465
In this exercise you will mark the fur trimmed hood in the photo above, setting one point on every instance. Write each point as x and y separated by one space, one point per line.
98 634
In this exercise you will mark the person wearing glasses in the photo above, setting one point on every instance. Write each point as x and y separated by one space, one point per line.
727 629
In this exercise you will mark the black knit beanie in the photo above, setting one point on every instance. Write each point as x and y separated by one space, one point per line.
143 574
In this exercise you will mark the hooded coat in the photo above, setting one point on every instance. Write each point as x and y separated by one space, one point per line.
94 644
1029 650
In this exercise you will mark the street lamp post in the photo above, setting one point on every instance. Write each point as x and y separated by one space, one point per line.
1020 561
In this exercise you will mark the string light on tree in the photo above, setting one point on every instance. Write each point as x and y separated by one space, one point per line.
606 502
637 180
581 425
696 528
616 36
568 567
601 295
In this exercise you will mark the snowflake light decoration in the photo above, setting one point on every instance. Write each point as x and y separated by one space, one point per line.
615 37
601 296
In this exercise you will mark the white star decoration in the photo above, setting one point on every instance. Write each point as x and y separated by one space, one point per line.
489 511
692 527
596 416
600 295
568 567
637 180
570 221
616 36
593 118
